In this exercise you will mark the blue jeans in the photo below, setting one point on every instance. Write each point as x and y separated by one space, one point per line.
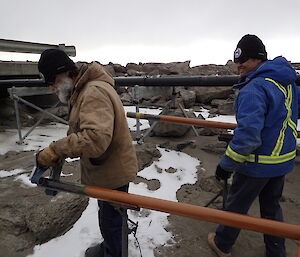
242 193
110 223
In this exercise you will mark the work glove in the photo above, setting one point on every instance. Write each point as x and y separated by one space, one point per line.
222 174
47 158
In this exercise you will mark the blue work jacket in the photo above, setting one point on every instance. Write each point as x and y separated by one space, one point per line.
264 142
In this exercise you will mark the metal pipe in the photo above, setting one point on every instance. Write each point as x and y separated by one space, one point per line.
38 122
181 120
154 81
22 82
170 81
185 115
191 81
29 47
41 110
123 213
262 225
18 120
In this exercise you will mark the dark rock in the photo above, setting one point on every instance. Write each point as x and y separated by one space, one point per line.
219 147
169 129
207 94
172 68
182 145
28 216
118 68
146 153
226 108
126 98
110 69
210 184
188 97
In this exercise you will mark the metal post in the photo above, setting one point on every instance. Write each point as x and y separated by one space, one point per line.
185 115
37 123
154 124
30 47
122 209
136 100
41 110
18 120
123 212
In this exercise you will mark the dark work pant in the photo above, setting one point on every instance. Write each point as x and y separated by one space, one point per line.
110 222
241 195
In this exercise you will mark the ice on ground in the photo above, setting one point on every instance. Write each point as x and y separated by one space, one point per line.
151 232
8 173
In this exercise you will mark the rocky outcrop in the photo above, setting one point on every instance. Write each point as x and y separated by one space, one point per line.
187 96
170 129
171 68
146 153
28 216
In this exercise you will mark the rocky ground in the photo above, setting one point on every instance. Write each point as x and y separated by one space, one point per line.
24 223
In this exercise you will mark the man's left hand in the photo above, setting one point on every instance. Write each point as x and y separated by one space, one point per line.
222 174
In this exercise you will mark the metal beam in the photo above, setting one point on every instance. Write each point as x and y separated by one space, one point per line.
153 81
35 48
191 81
169 81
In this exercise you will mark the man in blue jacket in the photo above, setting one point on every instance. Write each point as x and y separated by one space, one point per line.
263 147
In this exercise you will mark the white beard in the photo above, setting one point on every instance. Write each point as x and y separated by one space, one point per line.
64 89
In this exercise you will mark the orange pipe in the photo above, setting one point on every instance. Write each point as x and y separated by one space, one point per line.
266 226
182 120
198 122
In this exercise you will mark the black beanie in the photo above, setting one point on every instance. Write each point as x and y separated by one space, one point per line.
250 46
53 62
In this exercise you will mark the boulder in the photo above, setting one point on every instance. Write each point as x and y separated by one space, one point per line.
119 69
170 129
110 69
188 98
30 217
149 92
225 107
146 153
172 68
207 94
126 99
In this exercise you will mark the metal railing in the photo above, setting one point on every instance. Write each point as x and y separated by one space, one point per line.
30 47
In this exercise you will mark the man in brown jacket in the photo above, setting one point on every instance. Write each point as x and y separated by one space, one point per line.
98 134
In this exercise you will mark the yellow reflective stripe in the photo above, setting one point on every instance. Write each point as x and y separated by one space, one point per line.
266 159
292 124
278 85
287 122
294 128
280 140
274 158
235 156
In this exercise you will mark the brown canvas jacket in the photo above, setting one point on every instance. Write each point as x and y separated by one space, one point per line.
98 131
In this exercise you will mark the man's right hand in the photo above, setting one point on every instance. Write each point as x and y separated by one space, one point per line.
222 174
47 158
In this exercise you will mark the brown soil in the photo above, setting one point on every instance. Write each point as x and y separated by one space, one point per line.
190 235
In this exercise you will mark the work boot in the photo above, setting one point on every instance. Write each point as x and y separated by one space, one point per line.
214 247
95 251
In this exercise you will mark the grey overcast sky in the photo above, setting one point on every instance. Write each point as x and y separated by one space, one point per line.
152 31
